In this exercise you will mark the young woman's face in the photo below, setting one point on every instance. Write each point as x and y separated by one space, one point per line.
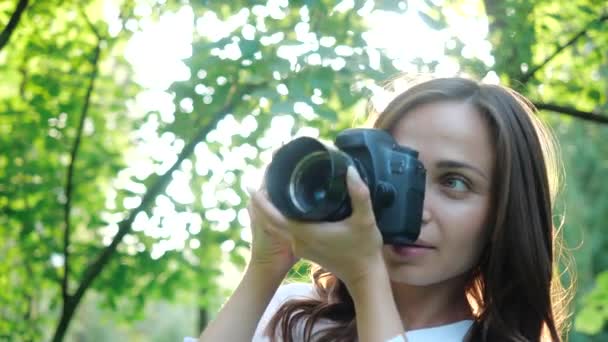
456 148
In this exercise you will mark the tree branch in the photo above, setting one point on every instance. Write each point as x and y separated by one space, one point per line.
94 269
23 82
70 302
527 76
89 23
5 36
70 177
589 116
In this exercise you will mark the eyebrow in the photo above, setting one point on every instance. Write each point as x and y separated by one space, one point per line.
452 164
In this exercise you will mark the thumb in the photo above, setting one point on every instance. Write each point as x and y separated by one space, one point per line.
359 194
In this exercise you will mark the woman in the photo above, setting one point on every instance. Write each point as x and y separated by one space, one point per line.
483 268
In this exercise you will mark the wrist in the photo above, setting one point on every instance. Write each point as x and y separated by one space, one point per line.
266 272
373 272
274 264
378 318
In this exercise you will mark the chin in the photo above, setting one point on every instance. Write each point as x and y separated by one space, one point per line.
413 276
417 275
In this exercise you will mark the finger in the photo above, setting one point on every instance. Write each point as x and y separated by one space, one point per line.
359 194
274 152
263 182
274 231
250 190
267 211
251 212
265 225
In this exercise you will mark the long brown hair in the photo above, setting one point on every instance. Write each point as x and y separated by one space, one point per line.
515 289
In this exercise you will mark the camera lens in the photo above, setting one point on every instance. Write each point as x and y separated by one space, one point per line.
307 181
310 181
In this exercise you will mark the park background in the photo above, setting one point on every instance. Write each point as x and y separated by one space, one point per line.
129 130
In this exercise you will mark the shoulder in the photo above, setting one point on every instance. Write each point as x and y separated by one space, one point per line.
286 292
283 294
453 332
294 290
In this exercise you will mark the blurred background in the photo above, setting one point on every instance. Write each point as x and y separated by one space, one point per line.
130 129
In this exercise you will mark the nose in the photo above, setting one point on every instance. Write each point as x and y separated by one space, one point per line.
426 210
426 214
426 206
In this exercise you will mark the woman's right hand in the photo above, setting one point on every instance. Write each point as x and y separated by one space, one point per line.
271 259
271 249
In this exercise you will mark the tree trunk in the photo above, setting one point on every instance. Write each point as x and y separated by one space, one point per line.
66 316
203 319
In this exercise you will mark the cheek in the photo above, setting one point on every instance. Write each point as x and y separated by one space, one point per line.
461 226
457 227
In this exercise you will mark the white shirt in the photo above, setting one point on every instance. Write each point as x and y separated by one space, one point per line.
453 332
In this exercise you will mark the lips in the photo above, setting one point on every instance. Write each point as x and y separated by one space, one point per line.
417 249
419 244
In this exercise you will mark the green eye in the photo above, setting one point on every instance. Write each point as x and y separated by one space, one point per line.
456 183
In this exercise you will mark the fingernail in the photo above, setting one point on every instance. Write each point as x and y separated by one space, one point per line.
352 174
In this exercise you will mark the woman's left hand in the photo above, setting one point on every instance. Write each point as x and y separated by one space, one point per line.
350 248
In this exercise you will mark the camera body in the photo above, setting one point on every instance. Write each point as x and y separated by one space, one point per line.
306 181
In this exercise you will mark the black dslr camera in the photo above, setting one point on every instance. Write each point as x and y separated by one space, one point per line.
306 181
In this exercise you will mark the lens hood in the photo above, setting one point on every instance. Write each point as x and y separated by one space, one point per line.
307 180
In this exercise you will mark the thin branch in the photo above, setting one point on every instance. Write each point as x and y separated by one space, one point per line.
89 23
70 177
23 82
589 116
527 76
70 302
5 36
29 297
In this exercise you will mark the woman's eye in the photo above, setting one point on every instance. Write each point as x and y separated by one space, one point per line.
456 183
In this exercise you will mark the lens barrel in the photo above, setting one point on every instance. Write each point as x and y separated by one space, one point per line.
307 181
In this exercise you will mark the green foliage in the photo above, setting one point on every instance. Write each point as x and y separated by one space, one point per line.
591 318
261 83
557 59
65 106
50 64
277 67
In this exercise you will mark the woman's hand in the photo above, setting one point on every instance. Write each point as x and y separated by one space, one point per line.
351 249
348 248
271 251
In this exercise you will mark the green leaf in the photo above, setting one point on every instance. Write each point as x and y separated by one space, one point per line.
595 94
282 108
249 47
391 5
322 78
589 322
345 96
587 9
270 94
281 65
326 113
